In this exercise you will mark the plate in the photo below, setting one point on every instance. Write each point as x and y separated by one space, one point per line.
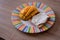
28 27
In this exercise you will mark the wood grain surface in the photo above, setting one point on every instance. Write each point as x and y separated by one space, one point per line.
9 32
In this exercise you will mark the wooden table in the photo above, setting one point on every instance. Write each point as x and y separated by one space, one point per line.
8 31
